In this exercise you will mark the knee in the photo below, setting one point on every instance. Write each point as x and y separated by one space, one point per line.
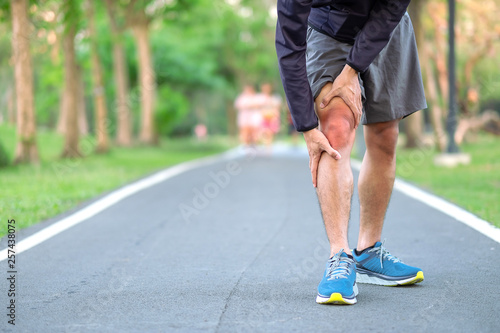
337 123
339 132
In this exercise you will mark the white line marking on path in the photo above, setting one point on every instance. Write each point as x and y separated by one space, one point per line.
443 206
93 209
114 197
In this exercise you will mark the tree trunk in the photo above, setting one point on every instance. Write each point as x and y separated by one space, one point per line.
61 120
11 108
26 150
83 125
440 44
435 110
414 123
124 117
70 97
99 96
146 81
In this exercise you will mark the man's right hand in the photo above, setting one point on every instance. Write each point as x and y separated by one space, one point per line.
317 143
346 86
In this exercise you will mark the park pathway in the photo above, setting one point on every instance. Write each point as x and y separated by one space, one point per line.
239 246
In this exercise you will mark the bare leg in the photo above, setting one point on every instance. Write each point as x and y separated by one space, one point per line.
335 180
244 135
376 180
254 135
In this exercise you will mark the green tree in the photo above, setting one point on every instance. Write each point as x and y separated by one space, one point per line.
71 13
120 73
101 111
26 150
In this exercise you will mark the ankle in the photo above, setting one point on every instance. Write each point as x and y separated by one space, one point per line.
335 249
365 245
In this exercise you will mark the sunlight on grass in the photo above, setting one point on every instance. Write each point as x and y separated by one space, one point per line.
475 187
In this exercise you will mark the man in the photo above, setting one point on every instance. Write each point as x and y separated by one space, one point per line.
351 61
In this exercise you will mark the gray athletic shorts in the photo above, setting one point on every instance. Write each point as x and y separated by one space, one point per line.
391 87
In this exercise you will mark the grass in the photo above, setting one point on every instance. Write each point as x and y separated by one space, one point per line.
30 194
475 187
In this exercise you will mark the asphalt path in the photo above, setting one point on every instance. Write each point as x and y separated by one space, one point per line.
239 246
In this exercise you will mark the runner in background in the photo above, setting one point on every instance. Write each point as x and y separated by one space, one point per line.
270 108
248 107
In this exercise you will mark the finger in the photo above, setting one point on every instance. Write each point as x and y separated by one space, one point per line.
314 170
332 152
360 106
357 118
360 110
327 98
354 109
325 146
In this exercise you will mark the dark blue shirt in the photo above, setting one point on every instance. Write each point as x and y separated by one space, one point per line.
366 24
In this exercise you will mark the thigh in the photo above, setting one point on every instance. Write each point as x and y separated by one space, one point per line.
325 59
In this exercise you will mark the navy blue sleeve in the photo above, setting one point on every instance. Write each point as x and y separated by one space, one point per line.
375 34
291 31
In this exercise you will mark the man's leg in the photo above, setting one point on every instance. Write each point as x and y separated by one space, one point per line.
375 264
335 180
376 180
334 186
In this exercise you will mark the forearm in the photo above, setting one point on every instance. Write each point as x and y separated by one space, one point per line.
375 34
291 46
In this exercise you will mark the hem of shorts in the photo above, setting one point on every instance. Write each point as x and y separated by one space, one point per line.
320 84
406 114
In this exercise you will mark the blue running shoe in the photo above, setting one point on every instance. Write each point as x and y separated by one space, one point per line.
375 265
338 285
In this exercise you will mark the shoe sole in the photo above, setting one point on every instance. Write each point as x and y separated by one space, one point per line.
366 278
338 299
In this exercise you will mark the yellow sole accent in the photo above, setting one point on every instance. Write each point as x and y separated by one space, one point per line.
418 278
336 298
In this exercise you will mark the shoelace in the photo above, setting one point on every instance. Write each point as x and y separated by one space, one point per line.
383 253
339 266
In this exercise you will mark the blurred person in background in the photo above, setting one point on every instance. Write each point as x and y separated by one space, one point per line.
331 55
248 105
201 132
270 108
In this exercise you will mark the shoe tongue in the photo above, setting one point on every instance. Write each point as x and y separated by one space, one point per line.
377 244
343 254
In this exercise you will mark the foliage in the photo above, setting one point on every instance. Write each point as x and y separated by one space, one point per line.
477 45
205 47
200 47
171 110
